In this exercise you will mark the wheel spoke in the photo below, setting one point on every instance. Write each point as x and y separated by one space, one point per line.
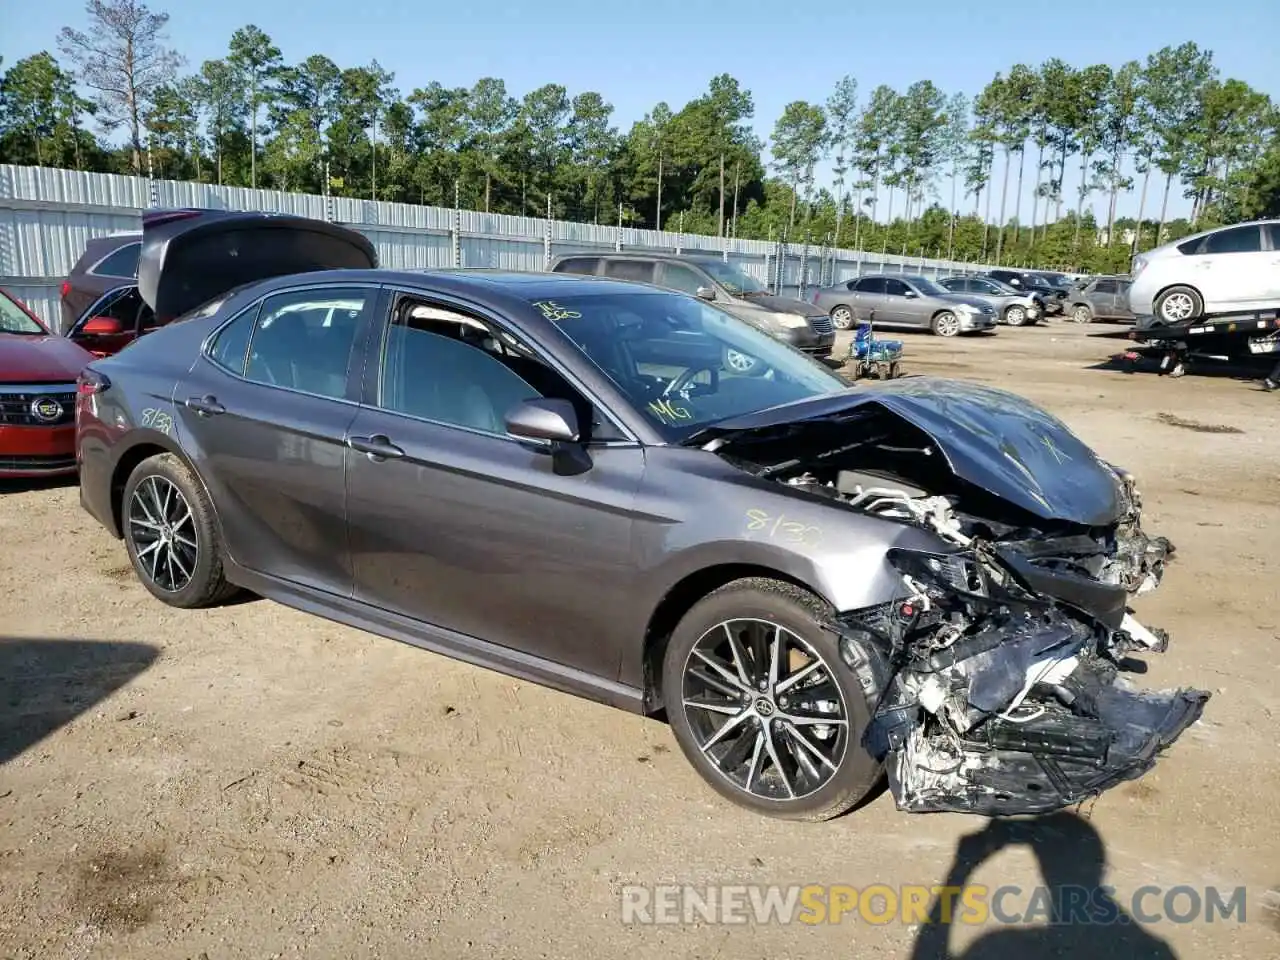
777 762
725 708
803 741
802 759
718 667
775 657
729 726
788 682
755 759
739 657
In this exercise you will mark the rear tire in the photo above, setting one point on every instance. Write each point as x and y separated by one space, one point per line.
793 747
171 534
1178 305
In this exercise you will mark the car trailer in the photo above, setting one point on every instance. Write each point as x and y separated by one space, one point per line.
1226 337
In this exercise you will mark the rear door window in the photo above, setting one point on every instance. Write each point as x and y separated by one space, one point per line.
1105 286
641 270
121 263
871 285
679 277
1236 240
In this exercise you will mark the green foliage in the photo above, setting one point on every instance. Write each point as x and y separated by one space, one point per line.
250 118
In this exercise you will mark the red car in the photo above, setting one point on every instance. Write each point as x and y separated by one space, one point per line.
38 372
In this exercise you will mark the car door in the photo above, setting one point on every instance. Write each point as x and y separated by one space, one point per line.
1230 268
453 522
898 307
869 298
264 414
1102 297
1122 311
112 322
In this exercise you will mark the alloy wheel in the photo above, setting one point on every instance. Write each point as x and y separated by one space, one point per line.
1080 315
739 362
947 325
842 318
765 709
1177 306
1016 316
163 533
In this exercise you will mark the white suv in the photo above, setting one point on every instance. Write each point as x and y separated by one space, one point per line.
1217 271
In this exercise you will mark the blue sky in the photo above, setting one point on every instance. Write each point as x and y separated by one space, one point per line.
638 53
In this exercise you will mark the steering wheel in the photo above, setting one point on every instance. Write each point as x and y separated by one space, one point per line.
686 377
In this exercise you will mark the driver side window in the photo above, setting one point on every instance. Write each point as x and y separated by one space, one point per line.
895 288
445 366
681 278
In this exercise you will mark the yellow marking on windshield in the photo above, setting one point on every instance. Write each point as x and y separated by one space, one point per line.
554 312
668 412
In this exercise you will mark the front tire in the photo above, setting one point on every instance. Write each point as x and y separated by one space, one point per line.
764 707
1178 305
946 324
171 535
1015 315
1081 314
841 317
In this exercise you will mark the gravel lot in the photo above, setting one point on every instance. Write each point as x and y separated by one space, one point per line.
254 782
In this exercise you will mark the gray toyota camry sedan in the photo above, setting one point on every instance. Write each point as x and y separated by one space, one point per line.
557 478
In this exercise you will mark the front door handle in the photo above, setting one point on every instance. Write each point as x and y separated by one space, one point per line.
205 406
378 447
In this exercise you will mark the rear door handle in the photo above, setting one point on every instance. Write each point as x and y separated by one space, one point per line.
378 447
205 406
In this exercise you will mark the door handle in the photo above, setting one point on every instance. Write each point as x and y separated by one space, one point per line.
377 447
205 406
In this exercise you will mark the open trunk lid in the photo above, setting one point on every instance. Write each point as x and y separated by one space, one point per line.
191 256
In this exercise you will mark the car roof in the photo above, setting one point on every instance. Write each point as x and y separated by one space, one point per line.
639 255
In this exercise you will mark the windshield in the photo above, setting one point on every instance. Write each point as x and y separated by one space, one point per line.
731 278
683 363
13 319
927 287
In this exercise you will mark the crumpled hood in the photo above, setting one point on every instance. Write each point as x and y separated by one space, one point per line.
46 359
990 438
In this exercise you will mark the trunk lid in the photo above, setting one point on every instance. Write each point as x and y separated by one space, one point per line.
191 256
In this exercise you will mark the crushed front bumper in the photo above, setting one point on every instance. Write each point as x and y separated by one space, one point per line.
1012 702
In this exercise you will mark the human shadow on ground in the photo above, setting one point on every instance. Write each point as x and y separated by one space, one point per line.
1072 860
47 683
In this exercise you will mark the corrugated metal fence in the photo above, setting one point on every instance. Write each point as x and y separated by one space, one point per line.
47 215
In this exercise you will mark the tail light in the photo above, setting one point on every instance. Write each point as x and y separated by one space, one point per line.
66 288
90 383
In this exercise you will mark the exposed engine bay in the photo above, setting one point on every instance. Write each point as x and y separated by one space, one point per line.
996 675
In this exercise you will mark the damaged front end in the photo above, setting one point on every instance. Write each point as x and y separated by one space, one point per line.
996 670
999 701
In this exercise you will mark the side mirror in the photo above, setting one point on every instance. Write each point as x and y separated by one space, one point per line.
102 327
705 293
911 294
546 420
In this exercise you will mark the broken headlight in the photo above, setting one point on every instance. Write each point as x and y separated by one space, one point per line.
939 576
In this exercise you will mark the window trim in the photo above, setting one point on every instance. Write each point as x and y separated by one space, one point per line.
355 373
371 377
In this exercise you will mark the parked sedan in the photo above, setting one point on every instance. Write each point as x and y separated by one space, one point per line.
38 372
1100 298
905 301
106 263
558 478
1012 307
1229 269
1051 297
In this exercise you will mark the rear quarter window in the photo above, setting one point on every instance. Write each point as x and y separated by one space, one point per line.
582 266
121 263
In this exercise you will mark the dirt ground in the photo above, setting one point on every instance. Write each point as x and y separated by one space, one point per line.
255 782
